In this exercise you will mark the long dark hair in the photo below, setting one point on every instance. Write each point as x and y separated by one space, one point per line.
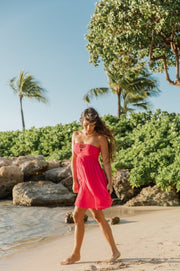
91 115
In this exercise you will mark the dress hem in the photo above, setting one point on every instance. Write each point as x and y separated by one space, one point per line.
97 208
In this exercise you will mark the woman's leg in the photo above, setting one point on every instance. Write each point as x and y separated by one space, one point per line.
99 216
79 234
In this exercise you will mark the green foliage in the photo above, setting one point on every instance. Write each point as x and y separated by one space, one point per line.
147 144
150 149
52 142
140 29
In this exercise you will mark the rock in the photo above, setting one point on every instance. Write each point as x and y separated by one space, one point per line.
17 161
85 218
116 201
58 174
122 187
35 178
65 163
42 193
35 166
154 196
68 182
5 162
115 220
9 176
52 164
69 218
30 165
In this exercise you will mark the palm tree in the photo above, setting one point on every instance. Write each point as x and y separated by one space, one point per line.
131 88
146 87
26 86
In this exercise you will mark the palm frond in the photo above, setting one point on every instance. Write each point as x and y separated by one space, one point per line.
95 92
20 82
28 87
12 84
138 100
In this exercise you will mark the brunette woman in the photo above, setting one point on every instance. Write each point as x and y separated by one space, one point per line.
90 181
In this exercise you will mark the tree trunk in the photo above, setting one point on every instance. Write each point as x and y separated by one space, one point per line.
22 115
119 111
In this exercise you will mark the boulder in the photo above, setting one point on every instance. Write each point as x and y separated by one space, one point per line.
9 176
5 162
116 201
68 183
30 165
17 161
33 167
52 164
122 187
42 193
65 163
58 174
154 196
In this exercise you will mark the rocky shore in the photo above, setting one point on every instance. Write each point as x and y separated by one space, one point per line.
32 181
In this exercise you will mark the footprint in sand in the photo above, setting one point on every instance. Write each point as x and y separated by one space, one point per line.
93 268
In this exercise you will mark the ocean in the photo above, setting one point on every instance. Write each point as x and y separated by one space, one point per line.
21 226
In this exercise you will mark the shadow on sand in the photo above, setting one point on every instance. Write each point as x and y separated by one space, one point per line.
122 221
128 262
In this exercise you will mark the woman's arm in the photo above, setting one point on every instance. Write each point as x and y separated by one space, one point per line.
73 167
106 162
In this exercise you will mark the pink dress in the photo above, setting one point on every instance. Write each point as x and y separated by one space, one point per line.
92 180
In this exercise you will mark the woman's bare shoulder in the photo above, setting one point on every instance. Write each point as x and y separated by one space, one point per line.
77 133
102 140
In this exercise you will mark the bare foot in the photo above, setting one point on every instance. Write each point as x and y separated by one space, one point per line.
114 257
70 260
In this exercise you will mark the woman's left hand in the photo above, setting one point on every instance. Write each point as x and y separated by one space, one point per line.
110 188
75 187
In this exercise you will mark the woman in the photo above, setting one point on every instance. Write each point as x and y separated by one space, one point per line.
94 187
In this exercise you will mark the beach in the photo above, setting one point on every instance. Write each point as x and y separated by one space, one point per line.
148 238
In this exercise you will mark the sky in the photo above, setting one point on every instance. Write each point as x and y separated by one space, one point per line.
46 39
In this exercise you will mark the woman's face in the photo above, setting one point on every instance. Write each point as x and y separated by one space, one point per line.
88 127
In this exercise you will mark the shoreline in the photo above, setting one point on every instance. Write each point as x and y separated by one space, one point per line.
117 210
22 227
146 236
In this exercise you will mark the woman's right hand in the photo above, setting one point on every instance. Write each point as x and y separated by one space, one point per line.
75 187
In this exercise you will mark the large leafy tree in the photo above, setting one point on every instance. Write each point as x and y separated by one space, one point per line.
27 86
132 88
147 29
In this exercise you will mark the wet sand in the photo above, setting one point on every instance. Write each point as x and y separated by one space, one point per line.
148 238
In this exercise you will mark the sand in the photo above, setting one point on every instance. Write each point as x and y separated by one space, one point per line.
149 240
